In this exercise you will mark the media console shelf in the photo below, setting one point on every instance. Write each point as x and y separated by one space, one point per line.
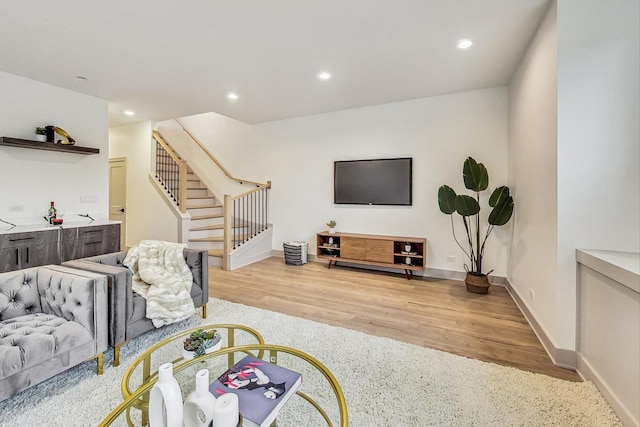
406 253
49 146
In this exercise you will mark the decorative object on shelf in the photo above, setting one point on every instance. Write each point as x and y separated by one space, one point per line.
50 131
201 342
64 134
332 226
225 411
8 141
476 179
331 240
165 401
41 134
198 406
407 260
407 247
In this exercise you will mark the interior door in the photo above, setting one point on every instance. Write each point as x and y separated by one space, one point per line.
118 195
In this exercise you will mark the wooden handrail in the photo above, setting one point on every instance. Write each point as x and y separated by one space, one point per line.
158 137
253 190
182 171
222 168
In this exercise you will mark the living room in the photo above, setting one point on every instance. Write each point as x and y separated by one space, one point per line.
569 109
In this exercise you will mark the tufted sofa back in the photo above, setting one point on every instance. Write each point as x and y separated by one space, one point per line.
54 290
114 259
19 293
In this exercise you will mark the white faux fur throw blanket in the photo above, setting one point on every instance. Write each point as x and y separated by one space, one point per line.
162 276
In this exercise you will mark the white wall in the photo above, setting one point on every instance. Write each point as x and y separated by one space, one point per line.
574 157
148 215
297 155
533 177
33 178
223 136
439 133
598 138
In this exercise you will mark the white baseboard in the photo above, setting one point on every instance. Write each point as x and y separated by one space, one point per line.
587 372
561 357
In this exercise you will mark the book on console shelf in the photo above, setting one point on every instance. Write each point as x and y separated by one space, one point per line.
262 389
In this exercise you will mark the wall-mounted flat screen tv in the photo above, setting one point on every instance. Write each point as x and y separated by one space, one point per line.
373 182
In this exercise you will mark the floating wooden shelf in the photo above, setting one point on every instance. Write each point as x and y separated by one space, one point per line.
49 146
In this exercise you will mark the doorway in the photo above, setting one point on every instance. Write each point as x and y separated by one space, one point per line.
118 195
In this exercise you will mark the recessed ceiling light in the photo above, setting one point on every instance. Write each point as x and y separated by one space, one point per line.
232 96
324 75
129 113
464 44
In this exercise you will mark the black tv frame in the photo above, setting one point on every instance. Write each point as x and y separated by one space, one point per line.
371 184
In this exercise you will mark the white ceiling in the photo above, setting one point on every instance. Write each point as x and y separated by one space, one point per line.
168 58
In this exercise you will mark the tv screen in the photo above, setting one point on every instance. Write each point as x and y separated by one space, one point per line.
373 182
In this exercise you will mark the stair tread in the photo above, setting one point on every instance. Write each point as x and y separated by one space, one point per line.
200 197
215 227
208 227
212 216
208 239
205 206
215 252
239 237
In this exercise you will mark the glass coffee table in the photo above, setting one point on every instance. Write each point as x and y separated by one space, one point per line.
326 407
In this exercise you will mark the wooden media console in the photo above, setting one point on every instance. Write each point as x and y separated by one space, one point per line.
407 253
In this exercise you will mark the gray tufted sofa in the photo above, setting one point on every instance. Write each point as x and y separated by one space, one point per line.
51 319
128 310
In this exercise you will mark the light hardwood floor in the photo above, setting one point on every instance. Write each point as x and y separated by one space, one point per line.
433 313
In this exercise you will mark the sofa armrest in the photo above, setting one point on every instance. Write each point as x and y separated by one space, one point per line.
114 259
120 295
79 296
198 262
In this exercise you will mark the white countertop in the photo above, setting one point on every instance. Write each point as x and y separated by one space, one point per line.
82 222
623 267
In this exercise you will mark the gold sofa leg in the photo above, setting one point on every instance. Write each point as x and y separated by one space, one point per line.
100 364
204 311
116 353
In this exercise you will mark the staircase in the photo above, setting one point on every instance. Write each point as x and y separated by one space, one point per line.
206 230
233 236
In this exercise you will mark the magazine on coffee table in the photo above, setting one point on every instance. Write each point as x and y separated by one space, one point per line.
262 389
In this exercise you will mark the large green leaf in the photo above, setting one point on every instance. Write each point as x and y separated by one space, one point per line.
501 214
499 195
466 205
476 177
447 199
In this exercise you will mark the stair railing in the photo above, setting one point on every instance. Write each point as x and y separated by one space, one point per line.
248 211
245 217
171 172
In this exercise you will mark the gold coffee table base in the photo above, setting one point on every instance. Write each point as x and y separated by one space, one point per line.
142 403
135 398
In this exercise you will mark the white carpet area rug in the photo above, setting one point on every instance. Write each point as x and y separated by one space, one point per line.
385 383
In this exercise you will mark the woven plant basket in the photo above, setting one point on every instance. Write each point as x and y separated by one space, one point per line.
477 284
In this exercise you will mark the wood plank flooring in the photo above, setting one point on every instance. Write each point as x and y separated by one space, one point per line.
433 313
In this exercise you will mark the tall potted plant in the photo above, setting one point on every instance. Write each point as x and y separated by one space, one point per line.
476 179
